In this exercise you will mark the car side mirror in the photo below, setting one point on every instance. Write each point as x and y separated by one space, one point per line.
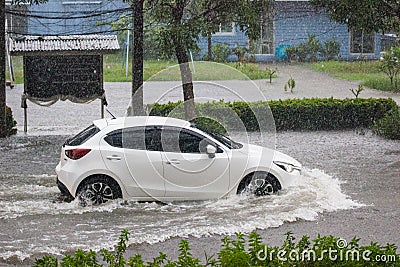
211 150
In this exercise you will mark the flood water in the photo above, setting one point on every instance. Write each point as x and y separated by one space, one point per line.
34 222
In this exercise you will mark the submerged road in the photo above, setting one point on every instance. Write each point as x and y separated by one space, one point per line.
352 190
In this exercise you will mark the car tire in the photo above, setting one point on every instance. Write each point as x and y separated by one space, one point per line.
97 190
259 184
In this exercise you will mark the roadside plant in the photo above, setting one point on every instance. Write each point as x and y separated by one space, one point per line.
270 73
249 250
290 85
390 65
357 91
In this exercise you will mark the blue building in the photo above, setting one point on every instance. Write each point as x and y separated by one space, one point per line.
68 17
290 23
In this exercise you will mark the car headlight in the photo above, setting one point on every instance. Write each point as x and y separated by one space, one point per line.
287 166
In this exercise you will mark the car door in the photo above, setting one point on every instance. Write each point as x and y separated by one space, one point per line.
129 153
189 172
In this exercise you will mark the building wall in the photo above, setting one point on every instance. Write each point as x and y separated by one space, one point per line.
63 13
296 20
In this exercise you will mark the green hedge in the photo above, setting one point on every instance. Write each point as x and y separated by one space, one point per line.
389 125
245 251
293 114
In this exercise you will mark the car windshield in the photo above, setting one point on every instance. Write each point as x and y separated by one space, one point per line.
225 140
83 136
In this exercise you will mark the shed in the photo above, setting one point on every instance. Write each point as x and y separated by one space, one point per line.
62 68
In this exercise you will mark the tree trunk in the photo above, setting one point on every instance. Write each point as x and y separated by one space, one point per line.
209 46
137 59
186 76
3 126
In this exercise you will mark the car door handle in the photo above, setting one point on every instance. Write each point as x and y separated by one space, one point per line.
113 157
173 161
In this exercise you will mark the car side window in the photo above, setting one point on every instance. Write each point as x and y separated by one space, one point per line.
179 140
130 138
114 138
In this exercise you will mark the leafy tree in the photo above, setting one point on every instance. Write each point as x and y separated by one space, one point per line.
370 15
390 65
180 23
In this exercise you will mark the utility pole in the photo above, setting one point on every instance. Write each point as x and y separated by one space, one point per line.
3 126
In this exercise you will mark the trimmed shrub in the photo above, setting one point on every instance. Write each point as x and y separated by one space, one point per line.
389 125
292 114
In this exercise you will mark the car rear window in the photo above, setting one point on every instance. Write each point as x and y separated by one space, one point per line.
83 136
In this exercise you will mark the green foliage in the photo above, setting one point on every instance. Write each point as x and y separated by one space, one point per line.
371 16
290 85
221 52
390 65
46 261
270 73
249 251
389 125
331 50
368 73
292 114
10 122
308 51
356 92
240 52
312 50
116 259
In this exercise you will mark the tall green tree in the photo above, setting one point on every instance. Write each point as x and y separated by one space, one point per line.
180 24
368 15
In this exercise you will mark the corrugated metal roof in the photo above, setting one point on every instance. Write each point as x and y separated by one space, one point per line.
75 44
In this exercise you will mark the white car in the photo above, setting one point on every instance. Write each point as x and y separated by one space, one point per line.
166 159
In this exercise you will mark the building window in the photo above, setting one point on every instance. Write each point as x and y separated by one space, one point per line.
265 44
226 28
362 42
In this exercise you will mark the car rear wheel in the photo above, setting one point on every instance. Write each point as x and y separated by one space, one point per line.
98 190
259 184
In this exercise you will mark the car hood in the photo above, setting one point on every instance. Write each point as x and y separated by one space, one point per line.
271 154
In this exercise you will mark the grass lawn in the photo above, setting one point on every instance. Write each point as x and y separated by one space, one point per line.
367 73
114 71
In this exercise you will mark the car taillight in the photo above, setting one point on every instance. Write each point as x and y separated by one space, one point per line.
76 153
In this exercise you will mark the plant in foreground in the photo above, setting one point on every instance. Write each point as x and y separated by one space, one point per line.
246 251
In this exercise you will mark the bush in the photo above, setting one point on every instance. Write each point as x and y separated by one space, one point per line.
10 122
221 52
247 251
332 49
389 125
292 114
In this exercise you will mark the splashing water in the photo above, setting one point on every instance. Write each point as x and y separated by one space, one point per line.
37 223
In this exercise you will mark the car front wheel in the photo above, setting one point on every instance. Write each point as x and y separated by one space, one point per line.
259 184
98 190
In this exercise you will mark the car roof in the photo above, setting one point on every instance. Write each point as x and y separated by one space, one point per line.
141 121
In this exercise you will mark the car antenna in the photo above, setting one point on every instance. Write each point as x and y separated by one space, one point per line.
109 112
